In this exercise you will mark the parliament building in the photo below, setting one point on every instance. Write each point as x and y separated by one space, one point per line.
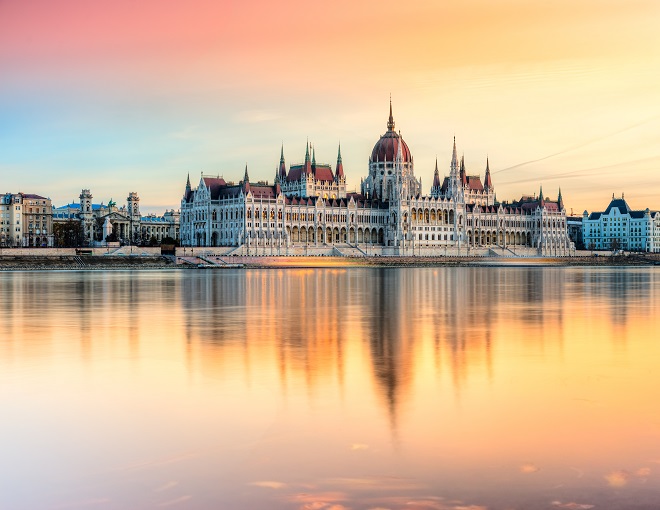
307 210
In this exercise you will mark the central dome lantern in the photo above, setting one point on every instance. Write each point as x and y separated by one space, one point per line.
391 173
387 146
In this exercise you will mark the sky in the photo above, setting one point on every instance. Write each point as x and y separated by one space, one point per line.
119 96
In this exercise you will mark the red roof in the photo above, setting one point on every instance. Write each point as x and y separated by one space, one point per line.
387 147
323 173
474 183
214 184
295 172
28 195
260 191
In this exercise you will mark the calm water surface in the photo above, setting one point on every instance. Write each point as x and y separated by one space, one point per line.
335 389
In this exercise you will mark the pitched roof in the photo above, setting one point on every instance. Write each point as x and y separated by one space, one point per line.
620 204
261 191
323 173
474 183
214 184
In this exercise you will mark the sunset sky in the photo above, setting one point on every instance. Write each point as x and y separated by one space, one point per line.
122 96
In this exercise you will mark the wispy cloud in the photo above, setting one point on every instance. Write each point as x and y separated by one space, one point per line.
255 116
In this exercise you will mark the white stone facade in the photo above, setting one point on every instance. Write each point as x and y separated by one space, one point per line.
390 216
621 228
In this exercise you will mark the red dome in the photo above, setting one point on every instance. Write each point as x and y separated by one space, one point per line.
387 147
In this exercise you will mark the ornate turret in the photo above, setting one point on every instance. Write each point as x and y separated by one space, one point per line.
488 183
339 171
462 172
282 170
246 180
307 168
435 187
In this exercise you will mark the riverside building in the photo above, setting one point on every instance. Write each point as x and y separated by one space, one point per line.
621 228
26 220
307 210
122 224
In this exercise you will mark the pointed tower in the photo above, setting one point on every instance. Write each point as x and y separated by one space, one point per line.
188 188
246 181
282 170
435 187
488 183
390 121
307 167
462 172
541 199
454 162
339 171
560 201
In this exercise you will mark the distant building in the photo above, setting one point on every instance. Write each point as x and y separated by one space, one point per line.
124 224
619 227
308 206
574 224
26 220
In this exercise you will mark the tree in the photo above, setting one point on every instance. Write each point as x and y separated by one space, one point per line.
169 240
615 245
68 234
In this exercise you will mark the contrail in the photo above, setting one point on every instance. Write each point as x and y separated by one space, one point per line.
584 171
579 146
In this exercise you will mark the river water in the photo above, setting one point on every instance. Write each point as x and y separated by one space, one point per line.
331 389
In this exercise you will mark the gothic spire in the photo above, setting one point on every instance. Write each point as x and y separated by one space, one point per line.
560 200
246 177
488 183
313 156
436 176
339 172
188 182
390 121
307 167
454 159
282 170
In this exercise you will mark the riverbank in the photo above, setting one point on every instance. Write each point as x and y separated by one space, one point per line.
106 263
100 263
311 262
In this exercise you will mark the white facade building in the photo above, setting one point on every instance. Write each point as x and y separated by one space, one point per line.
621 228
309 207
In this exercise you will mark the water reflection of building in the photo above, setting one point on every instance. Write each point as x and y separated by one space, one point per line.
295 316
310 326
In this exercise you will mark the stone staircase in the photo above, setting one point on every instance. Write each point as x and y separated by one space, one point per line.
346 250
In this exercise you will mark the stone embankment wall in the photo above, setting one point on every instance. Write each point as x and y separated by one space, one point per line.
14 263
142 251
